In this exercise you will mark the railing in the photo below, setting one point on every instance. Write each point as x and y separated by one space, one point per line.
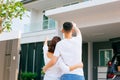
36 27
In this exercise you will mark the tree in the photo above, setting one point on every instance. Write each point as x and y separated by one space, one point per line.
10 9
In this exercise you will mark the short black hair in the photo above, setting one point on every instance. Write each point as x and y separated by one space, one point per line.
67 26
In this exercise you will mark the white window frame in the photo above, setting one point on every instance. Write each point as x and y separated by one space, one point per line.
48 24
104 50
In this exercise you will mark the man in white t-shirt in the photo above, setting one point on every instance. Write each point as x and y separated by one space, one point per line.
70 50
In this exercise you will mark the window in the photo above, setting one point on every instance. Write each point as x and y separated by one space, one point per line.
104 56
48 23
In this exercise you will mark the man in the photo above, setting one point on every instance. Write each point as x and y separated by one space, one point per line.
70 50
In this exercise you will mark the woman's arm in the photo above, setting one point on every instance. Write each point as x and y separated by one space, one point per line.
45 51
46 41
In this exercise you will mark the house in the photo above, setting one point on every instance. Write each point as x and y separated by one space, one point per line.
98 21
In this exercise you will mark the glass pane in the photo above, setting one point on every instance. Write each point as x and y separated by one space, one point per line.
45 25
102 56
51 24
107 57
45 18
110 54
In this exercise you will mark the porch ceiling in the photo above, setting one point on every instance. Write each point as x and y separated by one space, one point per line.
97 22
48 4
101 32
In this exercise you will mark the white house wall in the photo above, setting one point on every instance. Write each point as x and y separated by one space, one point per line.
38 36
10 35
36 20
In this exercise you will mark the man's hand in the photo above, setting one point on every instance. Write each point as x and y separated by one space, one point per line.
74 24
76 29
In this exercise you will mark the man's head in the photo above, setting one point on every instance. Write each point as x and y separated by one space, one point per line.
67 27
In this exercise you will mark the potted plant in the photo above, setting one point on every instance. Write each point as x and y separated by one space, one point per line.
28 76
10 9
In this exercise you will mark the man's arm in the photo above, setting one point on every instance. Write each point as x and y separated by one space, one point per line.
80 65
50 63
77 31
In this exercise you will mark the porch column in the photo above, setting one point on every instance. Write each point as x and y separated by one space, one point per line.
90 61
59 27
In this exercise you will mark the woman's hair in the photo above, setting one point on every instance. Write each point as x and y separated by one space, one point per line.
53 43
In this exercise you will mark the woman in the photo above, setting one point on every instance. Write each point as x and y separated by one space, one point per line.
56 71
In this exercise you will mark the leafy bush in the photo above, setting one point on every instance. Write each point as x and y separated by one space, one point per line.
28 76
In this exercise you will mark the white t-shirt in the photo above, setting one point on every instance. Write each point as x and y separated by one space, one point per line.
54 72
71 52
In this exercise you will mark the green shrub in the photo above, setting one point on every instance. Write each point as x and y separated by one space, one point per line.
28 76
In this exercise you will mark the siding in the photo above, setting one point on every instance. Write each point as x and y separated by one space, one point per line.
9 59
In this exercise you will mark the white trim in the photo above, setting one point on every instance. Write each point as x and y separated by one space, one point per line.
9 35
38 36
82 5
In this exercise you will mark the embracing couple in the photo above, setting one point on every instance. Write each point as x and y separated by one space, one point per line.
63 58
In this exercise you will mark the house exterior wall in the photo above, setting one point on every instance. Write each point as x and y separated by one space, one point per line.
87 21
37 36
36 20
9 59
2 57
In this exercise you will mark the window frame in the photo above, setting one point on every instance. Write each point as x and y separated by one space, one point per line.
104 54
47 19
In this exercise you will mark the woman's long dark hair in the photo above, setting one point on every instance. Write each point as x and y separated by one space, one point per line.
53 43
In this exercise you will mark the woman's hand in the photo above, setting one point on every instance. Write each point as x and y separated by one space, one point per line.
46 41
44 69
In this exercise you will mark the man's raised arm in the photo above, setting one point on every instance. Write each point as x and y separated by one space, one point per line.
76 29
